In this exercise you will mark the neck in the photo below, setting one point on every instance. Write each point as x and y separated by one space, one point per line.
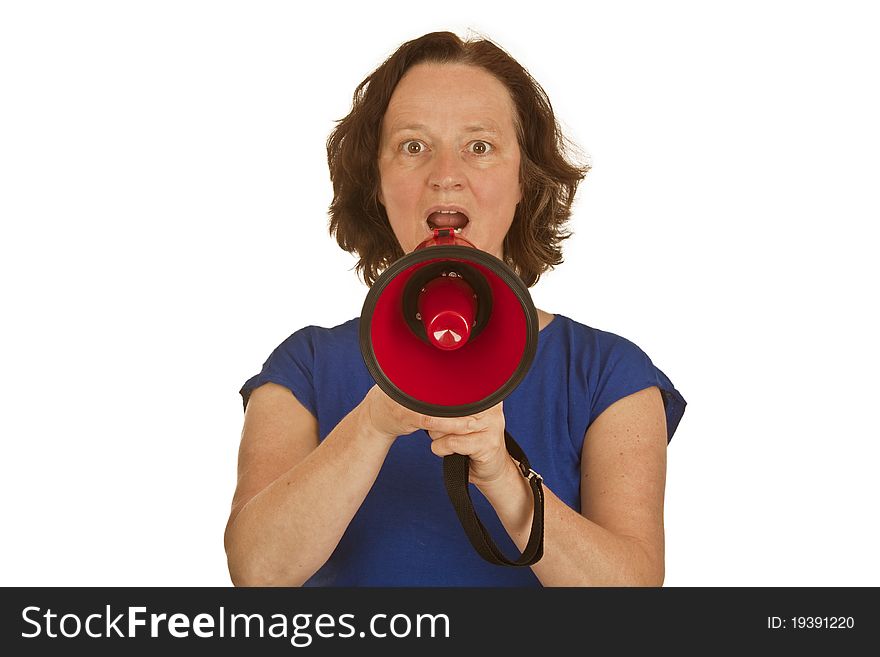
544 318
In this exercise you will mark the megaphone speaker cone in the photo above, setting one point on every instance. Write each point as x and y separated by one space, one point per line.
448 330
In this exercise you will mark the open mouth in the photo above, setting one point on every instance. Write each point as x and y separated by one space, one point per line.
454 219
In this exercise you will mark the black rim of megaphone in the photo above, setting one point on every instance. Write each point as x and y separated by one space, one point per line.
465 253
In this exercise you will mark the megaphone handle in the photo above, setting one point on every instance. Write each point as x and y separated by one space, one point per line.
455 474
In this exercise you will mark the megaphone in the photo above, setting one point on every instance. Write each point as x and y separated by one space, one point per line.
449 330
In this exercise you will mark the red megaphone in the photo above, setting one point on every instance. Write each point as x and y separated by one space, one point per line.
448 330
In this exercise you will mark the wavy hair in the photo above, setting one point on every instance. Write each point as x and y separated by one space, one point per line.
548 178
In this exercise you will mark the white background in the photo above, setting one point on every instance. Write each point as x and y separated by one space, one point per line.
163 196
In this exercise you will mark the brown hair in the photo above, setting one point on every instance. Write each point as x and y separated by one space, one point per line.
548 179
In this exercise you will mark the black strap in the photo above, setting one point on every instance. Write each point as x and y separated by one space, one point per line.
455 474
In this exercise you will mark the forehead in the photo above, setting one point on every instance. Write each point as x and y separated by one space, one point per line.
449 92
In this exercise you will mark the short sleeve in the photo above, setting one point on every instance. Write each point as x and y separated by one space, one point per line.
625 369
291 365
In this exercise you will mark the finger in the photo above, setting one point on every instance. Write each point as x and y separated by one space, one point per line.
451 445
489 413
497 409
437 435
453 425
441 448
456 444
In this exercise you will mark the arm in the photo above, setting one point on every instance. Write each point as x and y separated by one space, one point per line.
295 497
619 539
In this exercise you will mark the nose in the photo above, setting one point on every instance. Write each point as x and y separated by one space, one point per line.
446 172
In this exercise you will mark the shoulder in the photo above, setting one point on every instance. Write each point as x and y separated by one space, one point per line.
599 345
322 333
308 352
311 339
613 367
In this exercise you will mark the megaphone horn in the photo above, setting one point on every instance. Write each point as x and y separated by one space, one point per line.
448 330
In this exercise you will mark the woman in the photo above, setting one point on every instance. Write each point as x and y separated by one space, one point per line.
338 485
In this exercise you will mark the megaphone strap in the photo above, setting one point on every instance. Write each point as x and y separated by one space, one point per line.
455 474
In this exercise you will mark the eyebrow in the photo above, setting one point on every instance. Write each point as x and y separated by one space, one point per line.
476 127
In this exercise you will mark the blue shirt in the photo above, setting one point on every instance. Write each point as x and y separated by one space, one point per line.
406 532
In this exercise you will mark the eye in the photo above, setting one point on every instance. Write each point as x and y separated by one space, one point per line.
412 147
480 147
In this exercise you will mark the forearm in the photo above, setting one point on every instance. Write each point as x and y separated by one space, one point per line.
577 552
288 531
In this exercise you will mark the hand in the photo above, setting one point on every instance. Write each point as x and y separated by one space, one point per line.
386 418
480 436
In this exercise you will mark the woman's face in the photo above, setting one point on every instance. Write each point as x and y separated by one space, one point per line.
449 156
